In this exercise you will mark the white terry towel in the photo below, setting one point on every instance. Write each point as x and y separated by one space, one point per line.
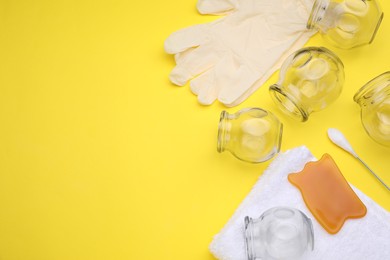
366 238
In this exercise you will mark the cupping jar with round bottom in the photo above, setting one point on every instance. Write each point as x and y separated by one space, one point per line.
280 233
252 134
309 80
374 100
346 23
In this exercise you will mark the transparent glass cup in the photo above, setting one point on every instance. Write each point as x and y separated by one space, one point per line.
346 23
374 101
279 233
309 80
252 134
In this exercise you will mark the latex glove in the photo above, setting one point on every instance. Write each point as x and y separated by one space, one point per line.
228 59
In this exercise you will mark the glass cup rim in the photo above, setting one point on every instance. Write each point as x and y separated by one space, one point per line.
371 85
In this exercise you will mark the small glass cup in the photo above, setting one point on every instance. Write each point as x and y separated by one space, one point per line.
252 134
279 233
346 23
309 80
374 100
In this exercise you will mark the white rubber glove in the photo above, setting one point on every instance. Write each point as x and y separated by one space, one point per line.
228 59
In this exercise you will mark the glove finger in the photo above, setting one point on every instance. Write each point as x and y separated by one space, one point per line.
209 84
216 7
238 86
192 64
186 38
197 83
181 56
205 87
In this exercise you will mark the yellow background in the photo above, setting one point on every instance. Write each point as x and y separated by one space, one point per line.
101 157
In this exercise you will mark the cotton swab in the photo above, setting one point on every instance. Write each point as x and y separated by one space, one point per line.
338 138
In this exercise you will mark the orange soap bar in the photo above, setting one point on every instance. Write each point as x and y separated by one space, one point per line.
327 194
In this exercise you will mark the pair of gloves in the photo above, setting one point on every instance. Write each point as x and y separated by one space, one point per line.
230 58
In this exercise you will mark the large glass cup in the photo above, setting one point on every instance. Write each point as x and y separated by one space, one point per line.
374 100
279 233
346 23
252 134
309 80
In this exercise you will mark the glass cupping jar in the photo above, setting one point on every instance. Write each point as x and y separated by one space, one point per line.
346 23
309 80
279 233
374 100
252 134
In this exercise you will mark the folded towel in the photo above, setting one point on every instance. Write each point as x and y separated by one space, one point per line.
363 238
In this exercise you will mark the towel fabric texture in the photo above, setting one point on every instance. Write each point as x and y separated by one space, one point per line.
363 238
